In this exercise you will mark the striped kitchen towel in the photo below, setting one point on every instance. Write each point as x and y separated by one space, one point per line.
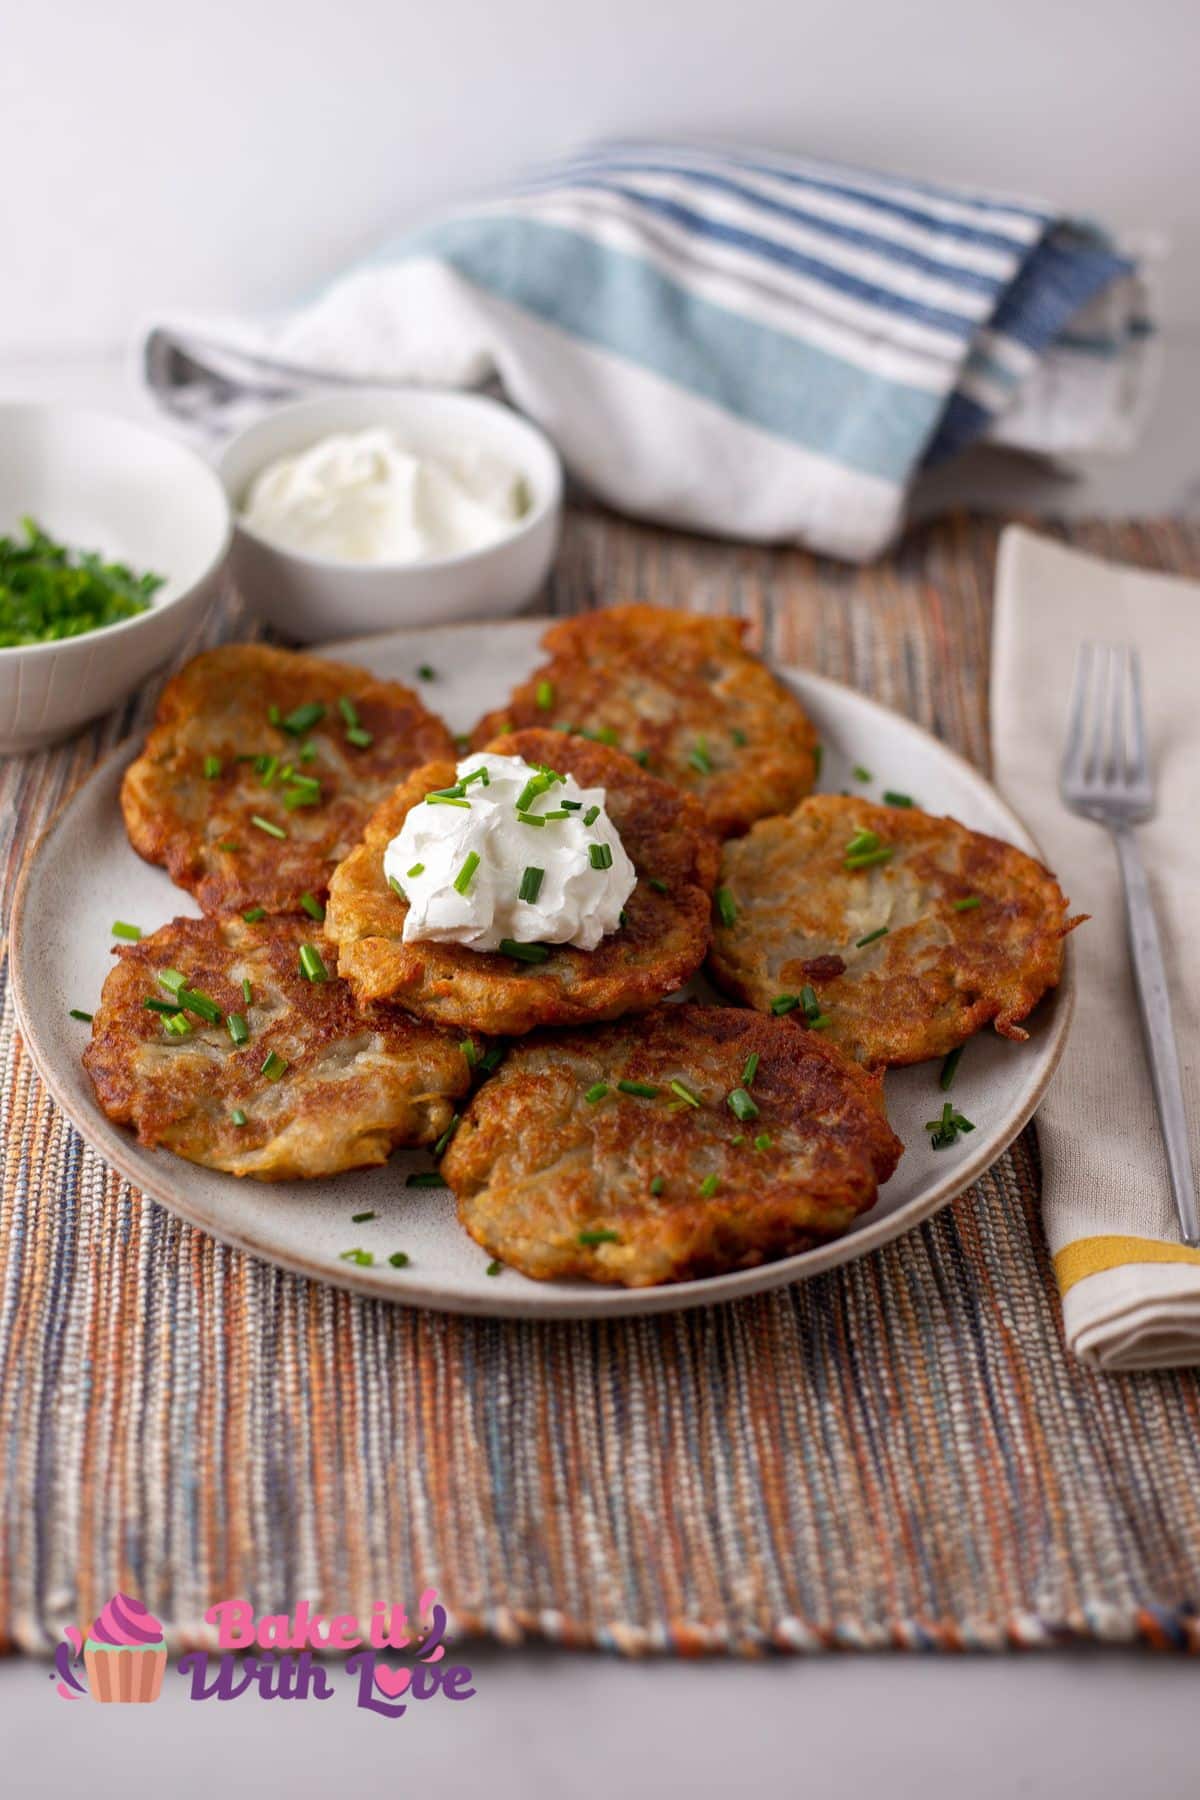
739 342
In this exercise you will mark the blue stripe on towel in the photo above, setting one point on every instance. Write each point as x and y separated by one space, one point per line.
621 303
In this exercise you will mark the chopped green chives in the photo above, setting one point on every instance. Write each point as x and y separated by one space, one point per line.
739 737
741 1105
659 886
861 774
172 980
657 1185
272 830
530 953
681 1092
871 937
157 1006
457 791
308 751
231 849
212 767
528 818
193 1001
531 884
273 718
238 1116
818 760
596 1092
312 906
399 1259
417 869
591 815
361 1218
480 774
131 932
296 797
645 1090
699 758
303 784
751 1069
426 673
237 1027
969 904
439 1149
348 710
494 1268
726 906
491 1059
303 718
892 798
311 965
447 800
810 1003
950 1068
869 858
255 914
862 840
425 1178
268 769
470 1053
396 888
177 1025
600 856
247 990
590 1238
709 1186
466 874
571 806
85 1018
763 1141
363 1258
559 812
945 1131
784 1003
641 758
739 1139
545 695
362 740
537 784
274 1066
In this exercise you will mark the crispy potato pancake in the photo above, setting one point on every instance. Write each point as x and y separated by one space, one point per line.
681 692
214 762
559 1172
661 944
355 1084
937 930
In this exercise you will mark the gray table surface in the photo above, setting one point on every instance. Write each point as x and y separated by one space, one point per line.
548 1724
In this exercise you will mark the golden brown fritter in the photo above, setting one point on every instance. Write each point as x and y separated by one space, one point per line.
661 944
216 714
679 691
937 930
355 1084
558 1171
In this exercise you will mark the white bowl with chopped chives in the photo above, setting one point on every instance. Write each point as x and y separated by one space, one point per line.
112 541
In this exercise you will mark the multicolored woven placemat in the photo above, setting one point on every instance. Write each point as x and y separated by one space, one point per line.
899 1453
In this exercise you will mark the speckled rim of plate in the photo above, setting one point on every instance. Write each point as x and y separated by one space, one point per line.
555 1300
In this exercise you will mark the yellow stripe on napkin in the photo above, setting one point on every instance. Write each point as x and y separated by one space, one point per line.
1092 1255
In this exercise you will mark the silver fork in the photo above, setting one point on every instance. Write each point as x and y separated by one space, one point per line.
1105 776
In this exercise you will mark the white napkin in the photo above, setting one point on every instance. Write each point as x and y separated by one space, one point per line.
1131 1290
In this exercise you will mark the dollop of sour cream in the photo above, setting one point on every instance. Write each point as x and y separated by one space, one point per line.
366 497
464 867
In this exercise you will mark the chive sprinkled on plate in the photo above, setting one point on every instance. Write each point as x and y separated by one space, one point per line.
818 760
657 1185
150 1004
348 710
867 859
308 751
946 1130
726 906
361 1218
892 798
950 1068
311 965
529 953
274 1066
528 818
763 1141
466 874
590 1238
494 1268
645 1090
740 1138
255 914
427 673
600 856
417 869
77 1012
312 906
268 769
247 990
591 815
658 884
363 1258
709 1186
491 1059
131 933
273 716
969 904
212 767
784 1003
596 1092
194 1001
172 980
544 695
439 1149
571 806
862 841
362 740
399 1259
684 1093
751 1069
531 883
741 1105
447 800
237 1116
396 888
425 1178
267 825
303 718
871 937
177 1025
230 849
237 1027
699 759
470 1053
861 774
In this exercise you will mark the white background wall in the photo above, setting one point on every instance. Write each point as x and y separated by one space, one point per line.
229 154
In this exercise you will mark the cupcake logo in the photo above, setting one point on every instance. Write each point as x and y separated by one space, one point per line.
124 1656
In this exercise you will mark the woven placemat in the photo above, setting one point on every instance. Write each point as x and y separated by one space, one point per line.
899 1453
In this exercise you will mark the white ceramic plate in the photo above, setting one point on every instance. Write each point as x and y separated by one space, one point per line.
83 875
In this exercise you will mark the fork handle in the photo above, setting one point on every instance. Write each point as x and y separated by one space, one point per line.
1155 1006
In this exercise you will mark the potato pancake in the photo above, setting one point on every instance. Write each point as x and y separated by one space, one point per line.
263 767
681 693
662 942
293 1081
902 934
688 1142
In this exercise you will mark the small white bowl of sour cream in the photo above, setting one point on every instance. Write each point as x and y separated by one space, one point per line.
357 512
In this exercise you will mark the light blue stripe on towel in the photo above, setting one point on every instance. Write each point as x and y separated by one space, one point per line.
619 302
